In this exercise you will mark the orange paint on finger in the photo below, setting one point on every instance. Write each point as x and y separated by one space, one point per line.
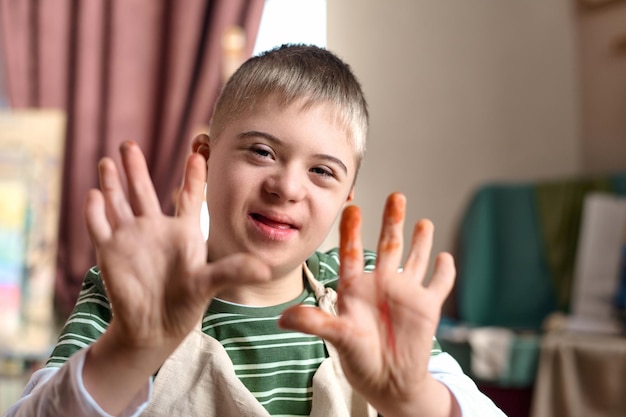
385 317
387 247
395 208
349 232
423 226
349 247
394 213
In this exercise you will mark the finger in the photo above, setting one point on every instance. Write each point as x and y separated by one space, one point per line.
350 248
233 270
191 194
141 192
443 276
419 255
95 217
117 208
390 242
312 320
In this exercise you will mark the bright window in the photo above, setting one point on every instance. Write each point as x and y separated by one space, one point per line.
291 21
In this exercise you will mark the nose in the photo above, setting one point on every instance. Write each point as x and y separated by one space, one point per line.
287 184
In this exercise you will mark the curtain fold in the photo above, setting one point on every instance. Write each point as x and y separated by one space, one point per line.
142 70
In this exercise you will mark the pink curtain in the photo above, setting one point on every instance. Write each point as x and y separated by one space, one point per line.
142 70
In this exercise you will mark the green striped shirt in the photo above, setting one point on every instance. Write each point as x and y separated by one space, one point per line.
276 365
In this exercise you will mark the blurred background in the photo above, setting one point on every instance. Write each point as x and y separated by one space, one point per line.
524 102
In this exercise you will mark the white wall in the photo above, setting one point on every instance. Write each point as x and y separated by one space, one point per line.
461 93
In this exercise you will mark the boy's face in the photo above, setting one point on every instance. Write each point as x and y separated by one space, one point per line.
277 179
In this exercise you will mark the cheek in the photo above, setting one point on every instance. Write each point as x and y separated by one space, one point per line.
216 193
228 187
220 177
327 212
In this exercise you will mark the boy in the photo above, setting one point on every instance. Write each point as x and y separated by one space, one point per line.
286 141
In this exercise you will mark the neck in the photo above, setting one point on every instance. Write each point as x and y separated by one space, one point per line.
279 290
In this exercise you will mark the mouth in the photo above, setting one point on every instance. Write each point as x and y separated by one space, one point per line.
273 222
272 227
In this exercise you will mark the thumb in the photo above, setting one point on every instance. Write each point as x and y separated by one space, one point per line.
313 320
233 270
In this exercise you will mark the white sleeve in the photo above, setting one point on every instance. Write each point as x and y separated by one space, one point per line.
473 403
61 392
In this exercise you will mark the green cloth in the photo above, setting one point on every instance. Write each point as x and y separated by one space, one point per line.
503 277
516 254
516 249
560 207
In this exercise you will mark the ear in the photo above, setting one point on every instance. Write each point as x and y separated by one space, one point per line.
201 144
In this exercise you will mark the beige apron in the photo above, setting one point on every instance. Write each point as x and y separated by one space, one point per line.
198 379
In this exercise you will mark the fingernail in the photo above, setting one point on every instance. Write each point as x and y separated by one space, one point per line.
127 144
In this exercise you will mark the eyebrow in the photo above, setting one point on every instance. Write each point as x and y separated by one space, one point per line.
274 139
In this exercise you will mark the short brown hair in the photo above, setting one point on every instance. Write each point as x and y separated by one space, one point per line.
294 72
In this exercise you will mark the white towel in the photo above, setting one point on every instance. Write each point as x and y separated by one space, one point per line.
491 347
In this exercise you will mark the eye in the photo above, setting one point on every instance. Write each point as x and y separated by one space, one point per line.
323 172
261 151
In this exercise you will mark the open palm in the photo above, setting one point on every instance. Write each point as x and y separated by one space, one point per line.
386 319
155 266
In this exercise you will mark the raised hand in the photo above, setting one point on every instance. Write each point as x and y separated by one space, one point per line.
155 272
387 319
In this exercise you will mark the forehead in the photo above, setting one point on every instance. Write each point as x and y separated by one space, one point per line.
332 114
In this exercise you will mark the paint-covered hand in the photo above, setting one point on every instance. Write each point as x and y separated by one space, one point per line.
387 318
